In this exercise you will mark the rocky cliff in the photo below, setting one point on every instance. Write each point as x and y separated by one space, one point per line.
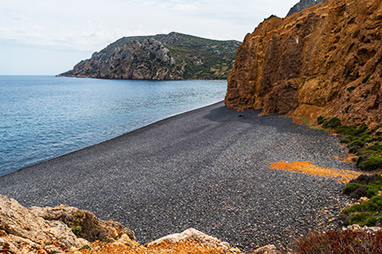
161 57
324 60
303 4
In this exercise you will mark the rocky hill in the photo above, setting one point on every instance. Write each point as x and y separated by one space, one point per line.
174 56
303 4
324 60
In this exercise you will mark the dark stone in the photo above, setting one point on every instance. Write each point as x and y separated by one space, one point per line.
362 158
354 149
366 179
358 193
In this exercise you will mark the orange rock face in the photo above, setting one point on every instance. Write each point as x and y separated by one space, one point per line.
324 60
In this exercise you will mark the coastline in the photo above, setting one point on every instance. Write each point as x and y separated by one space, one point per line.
108 108
206 168
144 126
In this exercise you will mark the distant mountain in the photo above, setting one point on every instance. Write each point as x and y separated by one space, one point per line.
303 4
174 56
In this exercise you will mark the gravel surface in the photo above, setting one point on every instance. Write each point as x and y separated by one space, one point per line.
207 169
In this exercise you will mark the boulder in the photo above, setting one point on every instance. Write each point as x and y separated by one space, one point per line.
84 223
268 249
191 234
25 232
53 230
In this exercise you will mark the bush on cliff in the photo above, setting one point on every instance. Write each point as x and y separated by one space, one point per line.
373 162
361 142
331 122
369 212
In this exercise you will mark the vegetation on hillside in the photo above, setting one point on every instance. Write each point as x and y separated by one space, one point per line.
163 56
365 144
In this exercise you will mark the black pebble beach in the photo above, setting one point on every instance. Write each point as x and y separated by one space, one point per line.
207 169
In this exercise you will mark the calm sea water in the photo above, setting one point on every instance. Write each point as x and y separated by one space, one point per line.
42 117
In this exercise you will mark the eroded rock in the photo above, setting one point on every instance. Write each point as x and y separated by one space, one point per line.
84 223
324 60
51 230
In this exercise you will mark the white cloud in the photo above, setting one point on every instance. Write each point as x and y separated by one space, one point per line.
90 25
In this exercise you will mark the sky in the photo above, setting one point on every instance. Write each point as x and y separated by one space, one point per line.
48 37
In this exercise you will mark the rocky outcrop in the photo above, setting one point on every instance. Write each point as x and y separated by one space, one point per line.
83 223
324 60
191 234
161 57
52 230
65 229
303 4
268 249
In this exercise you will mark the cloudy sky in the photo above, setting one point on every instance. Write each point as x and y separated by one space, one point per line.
47 37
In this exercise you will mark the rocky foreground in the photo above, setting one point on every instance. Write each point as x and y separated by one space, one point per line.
324 60
67 229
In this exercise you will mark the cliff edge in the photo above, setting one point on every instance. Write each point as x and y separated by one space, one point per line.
324 60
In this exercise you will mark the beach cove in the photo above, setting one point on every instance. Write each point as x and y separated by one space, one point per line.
207 169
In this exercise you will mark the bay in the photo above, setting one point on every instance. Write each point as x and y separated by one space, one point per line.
43 117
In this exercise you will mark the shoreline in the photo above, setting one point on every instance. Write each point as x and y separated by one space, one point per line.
206 168
74 151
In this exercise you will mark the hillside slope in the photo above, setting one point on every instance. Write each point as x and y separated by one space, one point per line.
161 57
324 60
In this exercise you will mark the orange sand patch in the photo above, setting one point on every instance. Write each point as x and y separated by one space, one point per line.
306 167
350 158
185 247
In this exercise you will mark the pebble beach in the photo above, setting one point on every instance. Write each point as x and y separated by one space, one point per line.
208 169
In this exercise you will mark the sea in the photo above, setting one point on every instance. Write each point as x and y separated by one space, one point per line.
43 117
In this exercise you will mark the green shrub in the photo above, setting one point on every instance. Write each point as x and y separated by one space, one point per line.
358 143
320 120
371 192
363 127
85 247
77 230
370 212
350 187
345 140
375 147
353 209
332 122
347 130
358 218
372 163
